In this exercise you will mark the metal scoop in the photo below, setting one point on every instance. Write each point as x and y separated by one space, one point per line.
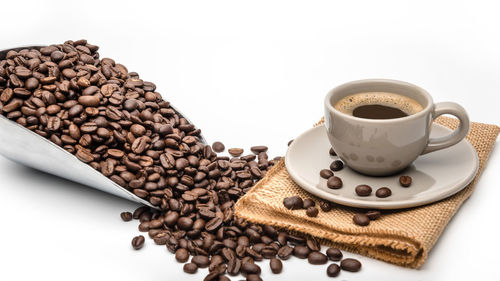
30 149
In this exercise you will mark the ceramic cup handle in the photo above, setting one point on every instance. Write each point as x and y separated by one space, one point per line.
457 135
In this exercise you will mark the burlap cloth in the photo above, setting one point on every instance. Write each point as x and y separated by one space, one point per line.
402 237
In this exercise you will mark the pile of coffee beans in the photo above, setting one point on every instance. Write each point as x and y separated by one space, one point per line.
118 124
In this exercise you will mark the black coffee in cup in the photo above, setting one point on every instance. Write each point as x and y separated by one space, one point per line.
378 105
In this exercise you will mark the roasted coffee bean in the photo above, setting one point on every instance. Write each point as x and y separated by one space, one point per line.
332 152
361 219
218 146
373 215
326 174
317 258
336 165
258 149
201 261
333 270
190 268
181 255
138 242
308 203
285 252
301 252
276 265
363 190
351 265
293 203
405 181
334 183
312 212
253 277
334 254
235 152
126 216
383 192
325 206
233 266
250 268
313 244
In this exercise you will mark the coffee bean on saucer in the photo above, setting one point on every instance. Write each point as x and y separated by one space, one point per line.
218 146
293 203
336 165
363 190
405 181
383 192
326 174
325 206
235 152
308 203
312 212
258 149
361 219
373 215
276 265
333 270
190 268
332 152
352 265
126 216
138 242
317 257
334 254
334 182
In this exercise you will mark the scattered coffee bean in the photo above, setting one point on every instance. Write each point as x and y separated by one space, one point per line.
258 149
334 254
308 203
235 151
336 165
201 261
405 181
312 212
293 203
334 183
363 190
190 268
126 216
317 258
326 174
332 152
351 265
361 219
313 244
250 268
383 192
373 215
138 242
182 255
253 277
333 270
276 265
218 146
325 206
301 252
285 252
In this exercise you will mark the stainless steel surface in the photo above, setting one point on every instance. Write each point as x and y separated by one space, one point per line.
30 149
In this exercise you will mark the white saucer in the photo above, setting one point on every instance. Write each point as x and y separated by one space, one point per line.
436 175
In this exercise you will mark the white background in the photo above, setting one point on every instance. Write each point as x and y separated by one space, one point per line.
251 73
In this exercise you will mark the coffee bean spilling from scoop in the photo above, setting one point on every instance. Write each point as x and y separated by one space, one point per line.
117 123
218 146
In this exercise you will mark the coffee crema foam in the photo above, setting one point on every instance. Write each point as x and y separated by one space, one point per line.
349 103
